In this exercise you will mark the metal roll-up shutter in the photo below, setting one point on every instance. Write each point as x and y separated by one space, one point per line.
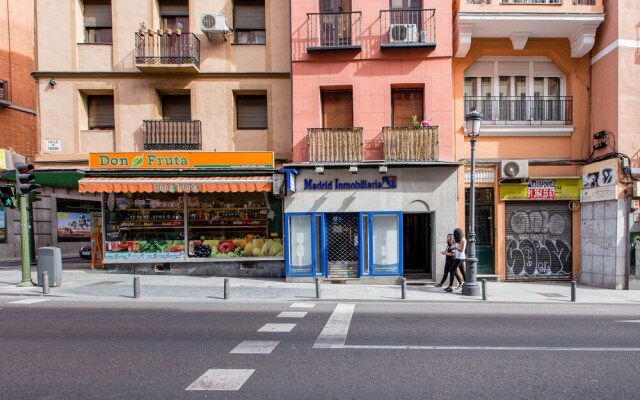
538 241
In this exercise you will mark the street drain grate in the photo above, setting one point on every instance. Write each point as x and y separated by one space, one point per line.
102 283
552 295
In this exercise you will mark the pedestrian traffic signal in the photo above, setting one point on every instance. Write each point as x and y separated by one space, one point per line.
24 177
6 197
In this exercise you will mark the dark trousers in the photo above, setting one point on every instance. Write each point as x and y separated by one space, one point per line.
448 269
458 264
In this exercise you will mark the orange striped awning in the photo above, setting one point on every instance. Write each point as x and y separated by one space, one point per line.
176 185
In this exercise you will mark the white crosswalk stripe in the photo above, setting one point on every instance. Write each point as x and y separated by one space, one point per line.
222 379
292 314
303 305
277 328
28 301
255 347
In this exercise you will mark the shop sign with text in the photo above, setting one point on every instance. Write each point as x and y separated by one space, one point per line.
385 182
181 160
542 189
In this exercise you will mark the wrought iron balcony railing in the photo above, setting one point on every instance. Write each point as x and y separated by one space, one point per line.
172 135
335 144
4 91
334 31
532 110
410 143
167 49
574 2
407 28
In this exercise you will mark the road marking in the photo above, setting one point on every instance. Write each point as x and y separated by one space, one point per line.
28 301
291 314
222 379
255 347
334 334
637 321
277 328
303 305
492 348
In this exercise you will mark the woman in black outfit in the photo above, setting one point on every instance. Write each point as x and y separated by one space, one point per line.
450 258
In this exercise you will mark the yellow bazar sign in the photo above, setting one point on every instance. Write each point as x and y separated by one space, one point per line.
542 189
181 160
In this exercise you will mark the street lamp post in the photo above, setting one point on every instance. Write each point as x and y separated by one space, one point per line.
470 286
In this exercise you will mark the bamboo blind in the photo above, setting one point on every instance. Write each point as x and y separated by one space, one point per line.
335 144
410 143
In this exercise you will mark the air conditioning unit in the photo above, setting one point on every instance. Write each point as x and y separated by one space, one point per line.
514 169
403 33
214 22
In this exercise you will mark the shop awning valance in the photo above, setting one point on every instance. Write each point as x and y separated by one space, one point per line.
176 185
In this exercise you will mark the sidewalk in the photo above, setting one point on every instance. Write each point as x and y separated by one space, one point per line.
88 285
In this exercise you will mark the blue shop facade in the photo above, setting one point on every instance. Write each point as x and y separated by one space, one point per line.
368 223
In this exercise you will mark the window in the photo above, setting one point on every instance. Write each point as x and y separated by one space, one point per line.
176 107
100 112
251 111
402 15
337 109
97 21
405 103
336 22
249 22
4 90
173 12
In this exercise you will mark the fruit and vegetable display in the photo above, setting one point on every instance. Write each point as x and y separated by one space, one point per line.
247 247
147 246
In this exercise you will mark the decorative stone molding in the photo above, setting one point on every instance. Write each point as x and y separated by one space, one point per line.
519 39
465 32
582 40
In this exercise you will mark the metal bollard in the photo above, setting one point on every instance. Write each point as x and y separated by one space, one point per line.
136 287
484 289
318 288
404 288
45 282
226 288
574 286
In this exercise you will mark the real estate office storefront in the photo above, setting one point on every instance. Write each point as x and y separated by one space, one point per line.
188 212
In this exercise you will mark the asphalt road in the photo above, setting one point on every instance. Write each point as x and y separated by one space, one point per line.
391 351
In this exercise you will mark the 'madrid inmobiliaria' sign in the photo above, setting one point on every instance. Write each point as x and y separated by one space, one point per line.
386 182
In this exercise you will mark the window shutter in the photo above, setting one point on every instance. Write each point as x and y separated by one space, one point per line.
337 109
252 112
177 107
97 14
100 112
249 14
406 104
174 8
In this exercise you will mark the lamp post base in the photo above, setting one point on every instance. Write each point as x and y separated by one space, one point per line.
471 289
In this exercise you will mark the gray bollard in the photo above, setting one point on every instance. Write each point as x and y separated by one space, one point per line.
484 289
136 287
574 286
404 288
226 288
318 288
45 282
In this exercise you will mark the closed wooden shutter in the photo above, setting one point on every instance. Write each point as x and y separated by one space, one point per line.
101 112
97 13
174 7
252 111
248 14
176 107
337 109
406 104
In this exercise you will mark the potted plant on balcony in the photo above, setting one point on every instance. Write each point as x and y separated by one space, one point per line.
179 28
169 31
160 32
142 28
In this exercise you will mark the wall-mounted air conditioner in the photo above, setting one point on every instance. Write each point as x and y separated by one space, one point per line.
514 169
214 22
403 33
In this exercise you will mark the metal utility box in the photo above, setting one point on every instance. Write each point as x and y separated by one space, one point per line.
50 260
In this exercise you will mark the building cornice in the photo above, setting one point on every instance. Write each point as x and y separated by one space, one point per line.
137 75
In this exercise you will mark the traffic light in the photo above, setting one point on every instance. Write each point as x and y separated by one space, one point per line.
24 177
6 197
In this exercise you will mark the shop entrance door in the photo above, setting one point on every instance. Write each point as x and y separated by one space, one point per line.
343 237
416 241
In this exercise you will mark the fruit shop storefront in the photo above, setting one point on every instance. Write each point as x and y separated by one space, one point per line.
369 223
188 213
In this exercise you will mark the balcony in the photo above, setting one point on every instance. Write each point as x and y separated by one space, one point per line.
167 53
4 94
335 144
410 143
407 28
519 20
557 110
172 135
334 31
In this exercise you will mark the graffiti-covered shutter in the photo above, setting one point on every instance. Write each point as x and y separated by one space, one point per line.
538 241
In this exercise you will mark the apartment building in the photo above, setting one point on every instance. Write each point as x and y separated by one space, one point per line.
17 104
525 65
172 117
373 140
610 234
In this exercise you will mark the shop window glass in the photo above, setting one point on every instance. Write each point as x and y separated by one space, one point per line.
299 243
251 111
74 219
405 104
337 109
3 225
100 112
97 21
385 243
249 22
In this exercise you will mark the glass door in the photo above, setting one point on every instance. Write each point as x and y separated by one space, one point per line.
300 254
385 231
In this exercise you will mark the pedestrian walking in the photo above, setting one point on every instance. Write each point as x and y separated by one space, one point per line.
450 258
457 270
